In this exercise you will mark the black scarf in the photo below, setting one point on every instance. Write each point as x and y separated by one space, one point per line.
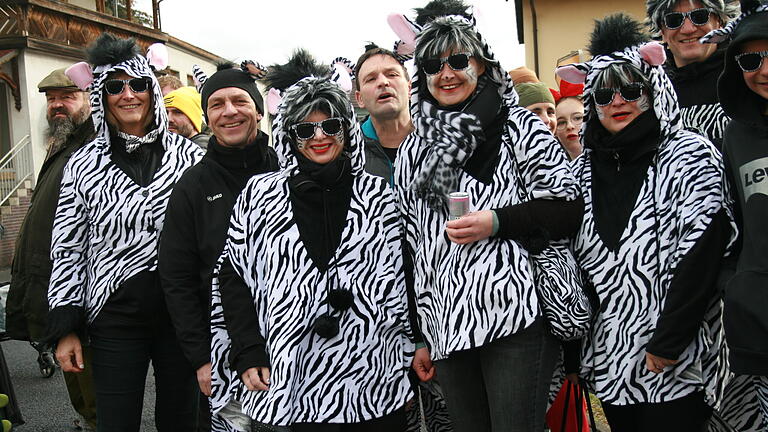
619 167
242 163
320 196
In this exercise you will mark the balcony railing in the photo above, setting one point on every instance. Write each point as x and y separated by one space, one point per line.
16 167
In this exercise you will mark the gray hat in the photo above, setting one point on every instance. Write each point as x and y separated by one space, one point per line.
56 80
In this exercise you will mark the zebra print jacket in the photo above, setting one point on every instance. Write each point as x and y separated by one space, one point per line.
683 190
470 295
106 226
357 375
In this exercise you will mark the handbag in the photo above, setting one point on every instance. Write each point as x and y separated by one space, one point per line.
571 410
559 283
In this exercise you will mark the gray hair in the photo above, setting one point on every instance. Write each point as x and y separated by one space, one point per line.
449 34
656 9
315 94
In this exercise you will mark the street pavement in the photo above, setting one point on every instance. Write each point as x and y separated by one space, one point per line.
44 402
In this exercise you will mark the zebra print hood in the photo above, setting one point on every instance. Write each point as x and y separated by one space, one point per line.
108 55
493 69
649 59
304 91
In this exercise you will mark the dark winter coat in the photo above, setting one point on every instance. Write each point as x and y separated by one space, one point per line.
194 233
27 306
746 154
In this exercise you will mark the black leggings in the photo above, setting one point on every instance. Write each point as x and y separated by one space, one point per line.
120 371
393 422
689 413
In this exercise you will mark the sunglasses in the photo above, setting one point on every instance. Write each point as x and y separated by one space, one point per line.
457 62
629 92
698 17
306 130
116 86
750 62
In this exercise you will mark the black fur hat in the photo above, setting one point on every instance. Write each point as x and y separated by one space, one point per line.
109 50
615 33
300 65
437 8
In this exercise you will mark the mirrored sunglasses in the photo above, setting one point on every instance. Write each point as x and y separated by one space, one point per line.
698 17
457 62
750 62
116 86
306 130
630 93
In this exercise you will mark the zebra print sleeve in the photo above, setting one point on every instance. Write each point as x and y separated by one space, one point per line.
701 193
543 167
69 246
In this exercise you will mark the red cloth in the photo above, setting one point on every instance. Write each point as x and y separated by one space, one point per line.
569 395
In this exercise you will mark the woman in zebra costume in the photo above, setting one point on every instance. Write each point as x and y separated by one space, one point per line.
310 314
657 225
104 283
478 307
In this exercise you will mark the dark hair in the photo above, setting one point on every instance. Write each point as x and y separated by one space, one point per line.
373 50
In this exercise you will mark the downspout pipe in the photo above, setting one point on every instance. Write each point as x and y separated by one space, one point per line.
535 23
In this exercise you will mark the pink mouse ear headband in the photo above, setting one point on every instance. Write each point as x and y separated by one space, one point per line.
81 73
342 70
652 53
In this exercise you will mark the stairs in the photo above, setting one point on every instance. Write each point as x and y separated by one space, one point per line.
12 214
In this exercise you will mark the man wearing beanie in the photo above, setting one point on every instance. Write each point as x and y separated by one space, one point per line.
69 128
198 212
537 98
185 115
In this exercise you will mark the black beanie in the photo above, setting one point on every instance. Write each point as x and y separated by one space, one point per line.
232 77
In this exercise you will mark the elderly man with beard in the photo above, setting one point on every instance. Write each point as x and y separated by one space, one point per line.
69 128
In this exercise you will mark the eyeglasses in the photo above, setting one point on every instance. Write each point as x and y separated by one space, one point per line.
629 92
457 62
576 119
750 62
698 17
306 130
116 86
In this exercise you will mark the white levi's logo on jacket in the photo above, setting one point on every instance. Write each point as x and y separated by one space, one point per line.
214 197
754 177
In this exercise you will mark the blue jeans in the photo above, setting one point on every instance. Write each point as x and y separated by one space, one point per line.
119 373
503 385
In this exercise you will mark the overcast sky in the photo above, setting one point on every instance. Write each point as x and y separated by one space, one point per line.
268 31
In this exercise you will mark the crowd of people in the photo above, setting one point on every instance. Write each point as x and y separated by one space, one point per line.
440 265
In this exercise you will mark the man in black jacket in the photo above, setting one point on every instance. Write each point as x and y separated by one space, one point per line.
69 128
198 212
692 66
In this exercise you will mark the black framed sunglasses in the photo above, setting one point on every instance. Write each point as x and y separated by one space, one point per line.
306 130
116 86
698 17
629 92
457 62
750 62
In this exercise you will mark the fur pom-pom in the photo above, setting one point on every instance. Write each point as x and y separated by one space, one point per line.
340 299
369 46
326 326
438 8
616 32
109 50
225 65
300 65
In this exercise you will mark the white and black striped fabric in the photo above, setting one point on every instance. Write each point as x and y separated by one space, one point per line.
707 120
106 226
469 295
684 188
361 373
